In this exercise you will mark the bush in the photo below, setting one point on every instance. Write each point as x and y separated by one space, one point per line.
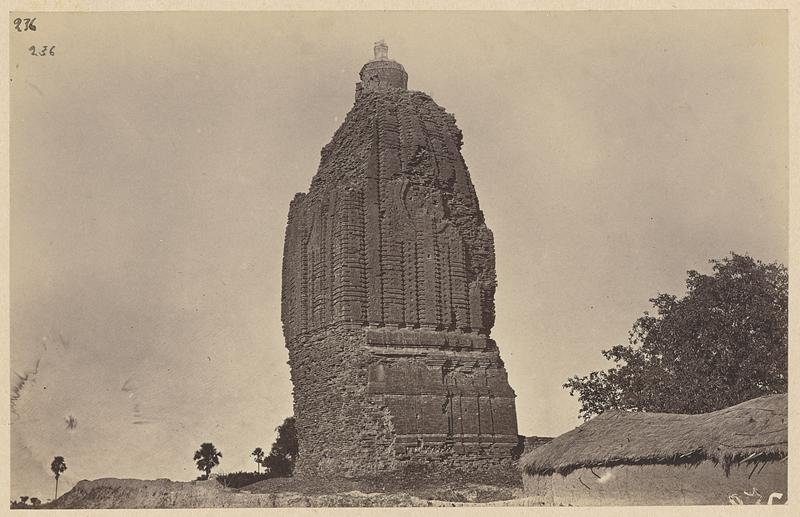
240 479
282 457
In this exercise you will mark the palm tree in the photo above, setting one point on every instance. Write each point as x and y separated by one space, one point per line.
24 499
58 466
258 454
207 457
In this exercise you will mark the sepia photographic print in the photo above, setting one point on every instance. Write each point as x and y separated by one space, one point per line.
398 258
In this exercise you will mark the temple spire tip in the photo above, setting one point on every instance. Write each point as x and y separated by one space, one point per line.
381 50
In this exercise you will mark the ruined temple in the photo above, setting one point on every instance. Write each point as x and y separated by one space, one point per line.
388 295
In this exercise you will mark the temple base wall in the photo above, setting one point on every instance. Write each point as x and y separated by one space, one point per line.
366 404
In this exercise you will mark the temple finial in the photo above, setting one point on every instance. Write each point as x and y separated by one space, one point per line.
381 73
381 50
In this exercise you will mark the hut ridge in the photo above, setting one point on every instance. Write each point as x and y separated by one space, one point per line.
755 430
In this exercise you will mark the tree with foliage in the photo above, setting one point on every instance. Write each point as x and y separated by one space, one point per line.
258 457
724 342
283 455
58 466
35 501
24 499
207 457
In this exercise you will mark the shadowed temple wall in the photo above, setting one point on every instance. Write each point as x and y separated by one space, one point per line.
388 295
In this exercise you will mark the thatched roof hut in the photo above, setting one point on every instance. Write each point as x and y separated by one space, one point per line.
745 437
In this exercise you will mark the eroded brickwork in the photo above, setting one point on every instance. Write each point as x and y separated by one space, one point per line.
388 295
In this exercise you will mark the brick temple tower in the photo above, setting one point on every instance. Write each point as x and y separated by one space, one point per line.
388 295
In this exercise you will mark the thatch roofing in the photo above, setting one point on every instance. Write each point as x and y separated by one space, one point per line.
755 430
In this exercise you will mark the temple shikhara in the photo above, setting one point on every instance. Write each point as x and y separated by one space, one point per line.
388 295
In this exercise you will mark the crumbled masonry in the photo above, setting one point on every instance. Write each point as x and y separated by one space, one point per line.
388 296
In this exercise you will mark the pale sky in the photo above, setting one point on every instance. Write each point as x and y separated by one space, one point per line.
153 159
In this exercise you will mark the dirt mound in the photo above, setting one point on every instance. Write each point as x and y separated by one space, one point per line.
137 493
280 492
425 489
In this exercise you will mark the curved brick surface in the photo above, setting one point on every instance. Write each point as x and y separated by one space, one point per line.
388 295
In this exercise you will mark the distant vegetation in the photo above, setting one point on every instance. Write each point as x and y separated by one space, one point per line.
283 455
22 503
241 478
207 457
724 342
58 466
279 463
258 457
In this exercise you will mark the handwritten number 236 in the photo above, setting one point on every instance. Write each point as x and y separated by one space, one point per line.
25 24
44 51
